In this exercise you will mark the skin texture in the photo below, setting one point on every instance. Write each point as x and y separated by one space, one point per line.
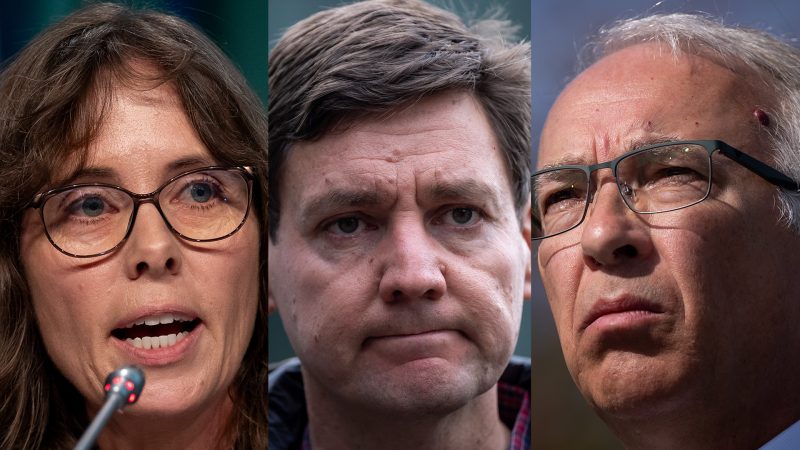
78 302
404 325
712 363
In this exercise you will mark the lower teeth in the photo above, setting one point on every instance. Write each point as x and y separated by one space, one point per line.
151 342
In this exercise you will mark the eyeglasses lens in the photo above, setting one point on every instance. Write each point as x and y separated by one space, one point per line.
202 205
205 205
559 200
661 179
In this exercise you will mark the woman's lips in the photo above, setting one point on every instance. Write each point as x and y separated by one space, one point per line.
157 335
161 355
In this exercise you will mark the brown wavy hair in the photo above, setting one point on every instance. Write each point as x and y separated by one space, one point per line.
49 115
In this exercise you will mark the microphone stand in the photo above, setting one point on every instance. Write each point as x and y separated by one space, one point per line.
123 387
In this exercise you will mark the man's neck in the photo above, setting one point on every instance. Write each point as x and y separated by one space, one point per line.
744 427
335 425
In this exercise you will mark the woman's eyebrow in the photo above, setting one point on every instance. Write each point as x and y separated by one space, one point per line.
111 175
103 173
187 163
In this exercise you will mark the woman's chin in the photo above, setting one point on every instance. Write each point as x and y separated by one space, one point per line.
171 403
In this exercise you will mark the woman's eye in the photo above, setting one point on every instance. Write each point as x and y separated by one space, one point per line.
89 206
201 192
347 225
93 206
461 216
198 192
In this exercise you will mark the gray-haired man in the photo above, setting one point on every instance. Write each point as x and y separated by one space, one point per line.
667 209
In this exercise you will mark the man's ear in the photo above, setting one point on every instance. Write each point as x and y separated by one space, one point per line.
271 302
526 233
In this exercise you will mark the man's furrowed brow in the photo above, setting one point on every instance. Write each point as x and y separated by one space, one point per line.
635 144
468 191
567 161
338 199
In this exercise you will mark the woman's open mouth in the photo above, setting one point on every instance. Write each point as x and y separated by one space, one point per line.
158 331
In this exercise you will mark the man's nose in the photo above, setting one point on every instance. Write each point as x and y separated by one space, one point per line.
612 233
412 264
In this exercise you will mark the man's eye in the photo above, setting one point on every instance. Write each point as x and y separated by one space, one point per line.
561 196
461 216
347 225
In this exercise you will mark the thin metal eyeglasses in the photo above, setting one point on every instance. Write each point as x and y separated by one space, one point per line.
653 179
93 219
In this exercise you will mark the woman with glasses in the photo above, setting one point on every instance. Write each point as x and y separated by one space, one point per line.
132 225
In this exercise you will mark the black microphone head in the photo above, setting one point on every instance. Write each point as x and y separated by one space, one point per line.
126 382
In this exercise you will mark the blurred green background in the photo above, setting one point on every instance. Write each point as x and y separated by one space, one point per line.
239 27
283 14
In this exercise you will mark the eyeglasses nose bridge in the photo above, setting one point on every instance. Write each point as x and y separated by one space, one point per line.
138 200
592 190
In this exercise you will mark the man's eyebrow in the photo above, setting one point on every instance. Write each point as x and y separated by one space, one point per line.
337 199
650 140
462 191
566 161
632 145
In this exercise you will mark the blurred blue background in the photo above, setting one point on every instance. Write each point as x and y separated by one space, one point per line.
283 14
561 418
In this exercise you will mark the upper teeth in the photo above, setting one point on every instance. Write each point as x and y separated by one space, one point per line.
155 320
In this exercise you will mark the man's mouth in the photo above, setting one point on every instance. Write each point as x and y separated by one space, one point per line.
158 331
630 308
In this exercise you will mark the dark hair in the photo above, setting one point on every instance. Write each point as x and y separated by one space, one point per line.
370 57
53 98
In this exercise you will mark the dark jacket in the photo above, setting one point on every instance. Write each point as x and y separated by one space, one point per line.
287 400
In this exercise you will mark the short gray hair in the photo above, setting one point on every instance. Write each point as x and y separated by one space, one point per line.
775 61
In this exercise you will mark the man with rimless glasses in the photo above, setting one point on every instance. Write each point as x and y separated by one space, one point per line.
666 211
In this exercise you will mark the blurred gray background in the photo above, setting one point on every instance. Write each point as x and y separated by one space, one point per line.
283 14
561 418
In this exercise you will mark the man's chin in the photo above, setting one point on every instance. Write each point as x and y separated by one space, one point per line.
421 387
634 386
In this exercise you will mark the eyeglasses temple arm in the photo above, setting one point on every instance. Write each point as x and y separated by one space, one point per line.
759 168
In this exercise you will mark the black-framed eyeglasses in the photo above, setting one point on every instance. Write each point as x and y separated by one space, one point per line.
654 179
93 219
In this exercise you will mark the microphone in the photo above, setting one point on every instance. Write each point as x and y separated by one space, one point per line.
123 387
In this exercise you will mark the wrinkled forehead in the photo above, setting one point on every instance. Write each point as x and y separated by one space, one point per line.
639 95
445 134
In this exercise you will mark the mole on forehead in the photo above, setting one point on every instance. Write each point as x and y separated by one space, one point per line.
631 145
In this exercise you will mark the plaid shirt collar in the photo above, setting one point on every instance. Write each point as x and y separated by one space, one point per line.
514 405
